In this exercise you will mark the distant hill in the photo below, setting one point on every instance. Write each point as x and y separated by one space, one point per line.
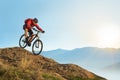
19 64
88 57
113 68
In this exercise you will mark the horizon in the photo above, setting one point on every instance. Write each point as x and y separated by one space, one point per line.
29 48
82 48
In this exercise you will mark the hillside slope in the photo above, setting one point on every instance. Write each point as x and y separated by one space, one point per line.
19 64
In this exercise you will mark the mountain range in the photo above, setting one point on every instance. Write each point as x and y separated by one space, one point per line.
87 57
19 64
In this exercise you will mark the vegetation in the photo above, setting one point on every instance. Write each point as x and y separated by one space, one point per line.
50 77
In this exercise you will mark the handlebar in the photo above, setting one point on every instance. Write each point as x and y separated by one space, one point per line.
37 30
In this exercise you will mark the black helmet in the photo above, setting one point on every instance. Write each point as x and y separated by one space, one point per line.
35 20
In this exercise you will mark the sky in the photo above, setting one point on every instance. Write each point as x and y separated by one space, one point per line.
68 24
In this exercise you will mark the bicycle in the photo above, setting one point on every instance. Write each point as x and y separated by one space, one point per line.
37 44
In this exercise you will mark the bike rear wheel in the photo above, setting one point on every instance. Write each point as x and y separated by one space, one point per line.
37 47
22 41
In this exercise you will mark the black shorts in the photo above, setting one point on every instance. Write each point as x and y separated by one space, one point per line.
29 30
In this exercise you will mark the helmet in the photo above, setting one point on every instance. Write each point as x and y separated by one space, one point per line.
35 20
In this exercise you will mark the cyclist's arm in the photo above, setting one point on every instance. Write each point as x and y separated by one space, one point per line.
40 29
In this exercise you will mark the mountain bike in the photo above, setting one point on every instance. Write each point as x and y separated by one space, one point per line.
37 45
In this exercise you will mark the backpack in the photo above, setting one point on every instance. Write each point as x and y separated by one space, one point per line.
27 20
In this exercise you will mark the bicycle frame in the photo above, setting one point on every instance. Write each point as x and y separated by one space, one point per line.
35 35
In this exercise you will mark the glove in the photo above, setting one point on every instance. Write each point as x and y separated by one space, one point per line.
43 31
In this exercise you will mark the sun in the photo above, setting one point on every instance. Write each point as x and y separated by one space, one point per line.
108 36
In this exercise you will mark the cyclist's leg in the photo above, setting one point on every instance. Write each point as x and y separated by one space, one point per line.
26 33
31 35
25 30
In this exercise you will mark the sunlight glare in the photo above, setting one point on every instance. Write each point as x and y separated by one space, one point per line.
109 35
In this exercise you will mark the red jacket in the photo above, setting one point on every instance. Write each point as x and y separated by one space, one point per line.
30 23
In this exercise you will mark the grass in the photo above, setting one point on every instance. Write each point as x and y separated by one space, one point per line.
50 77
13 74
25 63
78 78
23 73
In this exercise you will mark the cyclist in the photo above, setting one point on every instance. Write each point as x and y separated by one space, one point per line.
29 23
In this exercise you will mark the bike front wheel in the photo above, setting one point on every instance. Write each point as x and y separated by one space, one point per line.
37 47
22 41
